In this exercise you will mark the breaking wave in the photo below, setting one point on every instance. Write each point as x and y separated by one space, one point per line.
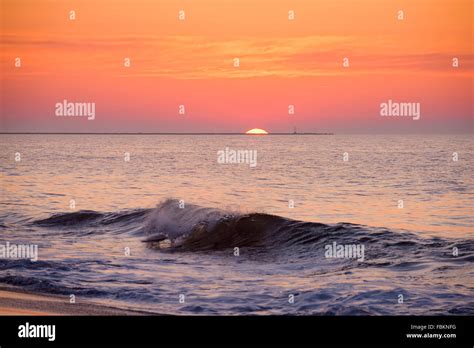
195 243
194 228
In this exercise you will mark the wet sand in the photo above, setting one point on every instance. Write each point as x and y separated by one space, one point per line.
18 302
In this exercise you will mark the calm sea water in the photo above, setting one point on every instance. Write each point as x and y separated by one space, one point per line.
281 215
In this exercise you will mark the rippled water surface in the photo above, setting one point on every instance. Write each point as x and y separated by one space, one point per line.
191 249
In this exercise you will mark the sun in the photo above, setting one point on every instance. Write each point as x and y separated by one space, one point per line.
257 131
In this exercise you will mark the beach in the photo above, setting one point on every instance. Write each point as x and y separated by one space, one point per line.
295 230
18 302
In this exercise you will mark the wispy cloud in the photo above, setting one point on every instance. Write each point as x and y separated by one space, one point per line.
199 57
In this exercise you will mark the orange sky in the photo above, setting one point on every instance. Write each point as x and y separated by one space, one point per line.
282 62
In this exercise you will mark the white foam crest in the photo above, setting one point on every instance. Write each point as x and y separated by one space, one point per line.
173 220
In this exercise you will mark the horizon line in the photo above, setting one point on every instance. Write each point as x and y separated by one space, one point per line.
166 133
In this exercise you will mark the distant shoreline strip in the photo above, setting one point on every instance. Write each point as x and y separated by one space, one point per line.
169 133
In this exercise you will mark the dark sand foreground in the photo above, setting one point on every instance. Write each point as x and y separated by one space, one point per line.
18 302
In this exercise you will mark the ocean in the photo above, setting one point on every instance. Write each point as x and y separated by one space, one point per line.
167 224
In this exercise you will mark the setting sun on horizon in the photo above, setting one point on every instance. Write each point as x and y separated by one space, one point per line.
162 66
302 160
256 131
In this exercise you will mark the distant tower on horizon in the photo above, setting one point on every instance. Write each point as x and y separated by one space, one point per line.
294 131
